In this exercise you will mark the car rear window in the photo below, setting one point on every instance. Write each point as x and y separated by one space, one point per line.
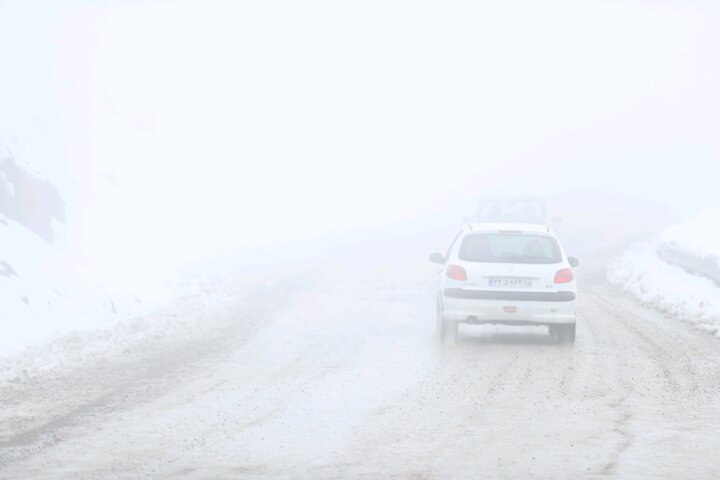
509 248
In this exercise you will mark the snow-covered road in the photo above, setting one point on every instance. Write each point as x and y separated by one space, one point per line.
314 378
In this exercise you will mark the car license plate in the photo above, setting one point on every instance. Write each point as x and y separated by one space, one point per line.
510 282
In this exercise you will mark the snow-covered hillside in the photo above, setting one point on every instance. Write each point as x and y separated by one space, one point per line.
698 236
677 272
45 288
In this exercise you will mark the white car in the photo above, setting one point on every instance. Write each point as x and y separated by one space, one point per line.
509 274
513 210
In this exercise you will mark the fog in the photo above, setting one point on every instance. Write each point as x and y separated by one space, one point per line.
180 128
188 137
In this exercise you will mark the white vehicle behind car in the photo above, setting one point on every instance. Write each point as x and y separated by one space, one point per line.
508 274
513 210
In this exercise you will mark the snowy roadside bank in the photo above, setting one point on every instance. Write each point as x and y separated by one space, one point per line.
675 272
72 348
200 310
46 286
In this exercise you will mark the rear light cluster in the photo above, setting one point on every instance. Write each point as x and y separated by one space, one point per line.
456 272
565 275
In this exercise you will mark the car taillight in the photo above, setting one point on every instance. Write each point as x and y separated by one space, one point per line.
456 272
565 275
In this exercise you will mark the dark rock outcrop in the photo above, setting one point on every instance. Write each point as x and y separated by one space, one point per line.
6 270
28 199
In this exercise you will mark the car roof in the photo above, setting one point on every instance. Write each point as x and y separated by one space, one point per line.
508 227
512 199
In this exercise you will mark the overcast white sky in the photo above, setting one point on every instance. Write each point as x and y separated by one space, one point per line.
176 128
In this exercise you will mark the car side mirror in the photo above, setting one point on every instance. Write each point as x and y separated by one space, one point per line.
574 262
437 258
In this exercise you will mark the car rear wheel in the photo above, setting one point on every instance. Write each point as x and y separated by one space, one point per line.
447 331
563 333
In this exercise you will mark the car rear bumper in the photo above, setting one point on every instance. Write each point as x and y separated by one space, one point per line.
462 293
512 308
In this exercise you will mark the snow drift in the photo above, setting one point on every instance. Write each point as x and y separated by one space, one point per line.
679 271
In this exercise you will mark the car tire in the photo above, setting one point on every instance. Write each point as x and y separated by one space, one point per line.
563 333
451 332
570 333
447 330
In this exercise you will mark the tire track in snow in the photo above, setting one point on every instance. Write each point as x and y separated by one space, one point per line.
152 371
